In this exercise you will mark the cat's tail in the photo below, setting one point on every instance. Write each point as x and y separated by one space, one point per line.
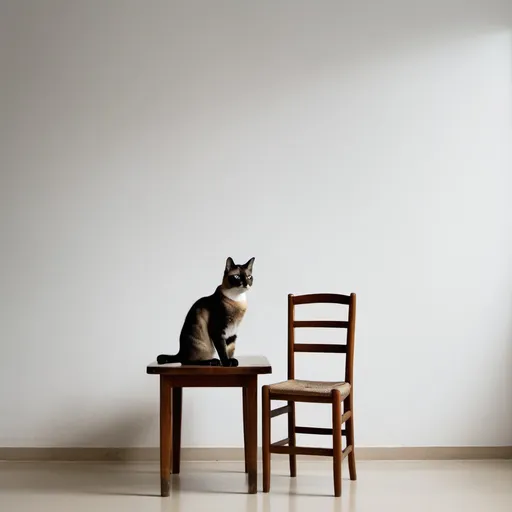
164 359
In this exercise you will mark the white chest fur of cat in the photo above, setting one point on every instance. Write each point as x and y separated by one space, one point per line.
231 330
241 299
236 302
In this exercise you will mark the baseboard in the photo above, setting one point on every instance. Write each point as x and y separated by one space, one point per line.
237 454
434 453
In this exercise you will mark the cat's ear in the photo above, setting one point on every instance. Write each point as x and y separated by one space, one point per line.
229 264
249 265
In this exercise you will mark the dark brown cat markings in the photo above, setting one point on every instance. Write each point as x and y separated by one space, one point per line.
212 323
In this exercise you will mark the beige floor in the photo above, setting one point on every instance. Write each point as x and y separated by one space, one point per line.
382 486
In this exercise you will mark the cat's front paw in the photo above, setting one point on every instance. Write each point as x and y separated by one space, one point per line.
232 362
215 362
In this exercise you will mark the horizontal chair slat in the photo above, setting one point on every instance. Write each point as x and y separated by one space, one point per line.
346 416
279 411
301 450
321 298
317 431
314 430
320 347
335 324
301 398
347 450
281 443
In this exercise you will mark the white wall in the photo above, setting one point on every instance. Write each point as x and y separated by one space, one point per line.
349 146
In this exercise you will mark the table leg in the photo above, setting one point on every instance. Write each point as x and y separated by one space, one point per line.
177 400
252 433
244 394
165 435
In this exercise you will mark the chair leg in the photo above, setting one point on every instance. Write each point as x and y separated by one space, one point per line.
265 404
336 441
348 404
244 394
291 437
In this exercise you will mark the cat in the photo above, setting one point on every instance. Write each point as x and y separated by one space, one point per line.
212 322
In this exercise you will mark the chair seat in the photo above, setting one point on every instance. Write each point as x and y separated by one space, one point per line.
309 388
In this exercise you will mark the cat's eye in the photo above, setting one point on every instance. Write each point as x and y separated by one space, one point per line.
237 277
249 278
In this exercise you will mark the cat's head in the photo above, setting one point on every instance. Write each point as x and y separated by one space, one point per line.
238 277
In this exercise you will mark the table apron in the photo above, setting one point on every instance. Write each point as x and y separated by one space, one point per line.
207 381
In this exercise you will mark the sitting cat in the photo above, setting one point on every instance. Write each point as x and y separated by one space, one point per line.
212 322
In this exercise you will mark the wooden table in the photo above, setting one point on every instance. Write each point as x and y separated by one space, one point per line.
174 377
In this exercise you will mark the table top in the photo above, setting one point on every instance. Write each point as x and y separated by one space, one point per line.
247 365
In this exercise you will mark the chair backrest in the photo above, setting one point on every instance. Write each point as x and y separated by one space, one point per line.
349 324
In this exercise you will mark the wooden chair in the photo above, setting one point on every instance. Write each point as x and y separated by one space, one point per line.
333 393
